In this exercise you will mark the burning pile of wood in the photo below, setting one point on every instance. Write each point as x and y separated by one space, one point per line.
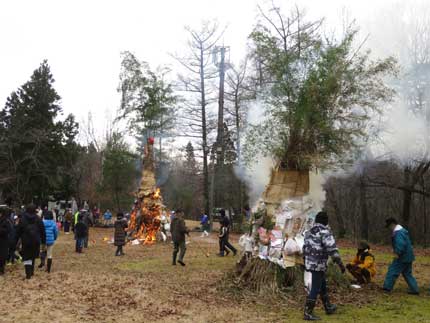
145 216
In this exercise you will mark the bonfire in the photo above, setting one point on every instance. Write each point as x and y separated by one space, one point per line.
145 216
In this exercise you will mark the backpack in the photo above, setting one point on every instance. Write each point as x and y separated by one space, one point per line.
11 234
31 234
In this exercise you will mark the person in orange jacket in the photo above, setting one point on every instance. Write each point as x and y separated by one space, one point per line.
362 267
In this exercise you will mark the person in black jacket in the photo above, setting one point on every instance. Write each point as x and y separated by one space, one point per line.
4 238
87 221
31 231
13 223
224 244
81 233
179 230
120 234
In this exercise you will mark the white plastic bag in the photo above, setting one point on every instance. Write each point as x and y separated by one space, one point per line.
307 279
300 240
291 247
246 243
263 251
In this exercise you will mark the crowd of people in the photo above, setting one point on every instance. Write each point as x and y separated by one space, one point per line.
32 232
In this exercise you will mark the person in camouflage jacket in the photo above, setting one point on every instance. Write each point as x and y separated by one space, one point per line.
318 247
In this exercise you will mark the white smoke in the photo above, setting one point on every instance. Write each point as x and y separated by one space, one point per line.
316 193
404 135
256 174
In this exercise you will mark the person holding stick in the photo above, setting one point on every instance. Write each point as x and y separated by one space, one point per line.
179 229
318 247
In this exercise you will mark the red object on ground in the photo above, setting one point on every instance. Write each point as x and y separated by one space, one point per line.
151 140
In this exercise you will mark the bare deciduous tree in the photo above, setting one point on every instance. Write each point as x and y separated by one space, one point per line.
198 91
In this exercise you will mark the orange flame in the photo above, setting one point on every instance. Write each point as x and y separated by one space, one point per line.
157 193
145 218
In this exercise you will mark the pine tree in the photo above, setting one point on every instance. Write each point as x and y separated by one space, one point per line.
119 171
33 142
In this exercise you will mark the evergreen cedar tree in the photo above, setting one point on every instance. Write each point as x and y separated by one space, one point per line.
317 93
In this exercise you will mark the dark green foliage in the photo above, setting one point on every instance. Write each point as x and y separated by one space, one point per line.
184 188
147 100
318 93
227 186
119 173
36 148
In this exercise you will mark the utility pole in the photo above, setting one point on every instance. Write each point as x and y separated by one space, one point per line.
222 63
220 135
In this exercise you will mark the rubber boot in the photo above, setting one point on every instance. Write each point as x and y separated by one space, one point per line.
181 263
49 265
42 261
174 259
32 267
329 308
28 271
41 265
309 310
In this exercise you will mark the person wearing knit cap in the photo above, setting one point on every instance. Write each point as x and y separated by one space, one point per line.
362 267
319 245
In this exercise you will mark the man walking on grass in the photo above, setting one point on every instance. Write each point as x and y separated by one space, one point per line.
402 263
179 230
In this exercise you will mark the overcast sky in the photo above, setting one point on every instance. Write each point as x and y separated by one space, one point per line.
82 39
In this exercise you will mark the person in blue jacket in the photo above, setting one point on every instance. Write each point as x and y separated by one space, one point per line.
51 231
402 263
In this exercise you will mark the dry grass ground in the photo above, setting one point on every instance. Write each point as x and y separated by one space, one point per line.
143 286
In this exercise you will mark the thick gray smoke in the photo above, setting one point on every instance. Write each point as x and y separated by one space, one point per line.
403 137
402 30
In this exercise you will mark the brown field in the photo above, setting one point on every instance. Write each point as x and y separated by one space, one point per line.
143 286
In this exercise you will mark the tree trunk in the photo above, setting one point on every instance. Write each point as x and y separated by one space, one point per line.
364 223
204 136
407 199
341 224
424 213
220 134
238 147
117 202
406 214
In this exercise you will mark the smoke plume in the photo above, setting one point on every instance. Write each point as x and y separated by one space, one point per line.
255 174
